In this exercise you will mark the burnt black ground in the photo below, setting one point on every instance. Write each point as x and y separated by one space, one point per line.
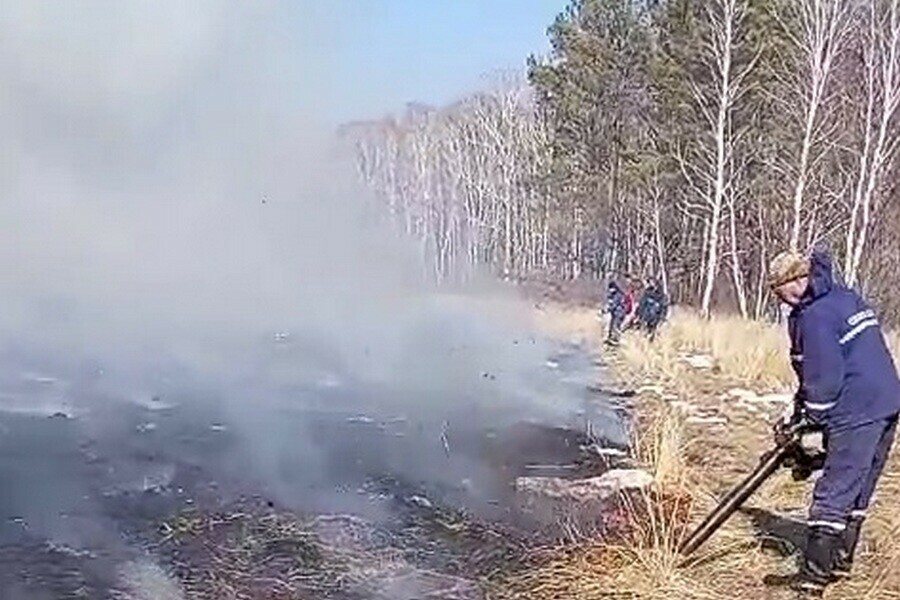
88 478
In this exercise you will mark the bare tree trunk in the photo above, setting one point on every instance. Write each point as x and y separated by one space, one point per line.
737 276
882 73
761 290
760 304
723 44
704 257
824 26
658 239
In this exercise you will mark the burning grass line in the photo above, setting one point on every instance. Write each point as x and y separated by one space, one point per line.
646 552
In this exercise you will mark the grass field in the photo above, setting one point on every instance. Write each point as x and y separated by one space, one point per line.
708 393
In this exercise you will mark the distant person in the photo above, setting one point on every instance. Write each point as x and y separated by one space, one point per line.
616 307
652 307
630 304
848 388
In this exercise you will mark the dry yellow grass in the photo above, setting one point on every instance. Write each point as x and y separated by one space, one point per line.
743 351
689 460
644 563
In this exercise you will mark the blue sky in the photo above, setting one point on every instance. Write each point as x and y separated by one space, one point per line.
384 53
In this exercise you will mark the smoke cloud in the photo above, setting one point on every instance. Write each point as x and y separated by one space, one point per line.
177 223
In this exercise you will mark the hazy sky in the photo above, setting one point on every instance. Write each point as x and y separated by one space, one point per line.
164 167
388 52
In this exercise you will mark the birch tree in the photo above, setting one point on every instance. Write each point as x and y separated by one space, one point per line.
878 105
707 165
818 30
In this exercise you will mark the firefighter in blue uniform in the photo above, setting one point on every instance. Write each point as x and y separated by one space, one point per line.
617 309
848 388
652 307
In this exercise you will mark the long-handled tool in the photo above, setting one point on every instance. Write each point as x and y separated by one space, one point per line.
789 451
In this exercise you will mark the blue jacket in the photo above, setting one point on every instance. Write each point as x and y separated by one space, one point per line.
615 300
847 376
653 305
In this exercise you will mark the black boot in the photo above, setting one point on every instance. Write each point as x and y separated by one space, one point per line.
817 568
843 559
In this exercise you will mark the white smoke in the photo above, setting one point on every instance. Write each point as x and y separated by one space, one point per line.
170 198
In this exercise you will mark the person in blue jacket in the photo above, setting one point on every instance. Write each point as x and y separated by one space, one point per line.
617 309
652 307
849 389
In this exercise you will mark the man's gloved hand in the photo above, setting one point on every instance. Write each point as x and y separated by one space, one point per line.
810 447
805 463
792 418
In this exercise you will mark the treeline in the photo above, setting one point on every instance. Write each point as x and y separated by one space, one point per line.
686 139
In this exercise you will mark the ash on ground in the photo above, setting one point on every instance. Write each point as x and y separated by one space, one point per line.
162 498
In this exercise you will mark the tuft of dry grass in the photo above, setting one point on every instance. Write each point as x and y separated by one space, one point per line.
658 442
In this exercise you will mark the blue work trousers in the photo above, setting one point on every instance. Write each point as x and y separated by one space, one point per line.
854 460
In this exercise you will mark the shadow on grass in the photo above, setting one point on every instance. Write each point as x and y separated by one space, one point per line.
780 534
785 536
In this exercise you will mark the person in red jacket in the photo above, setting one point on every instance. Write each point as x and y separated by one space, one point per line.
630 304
